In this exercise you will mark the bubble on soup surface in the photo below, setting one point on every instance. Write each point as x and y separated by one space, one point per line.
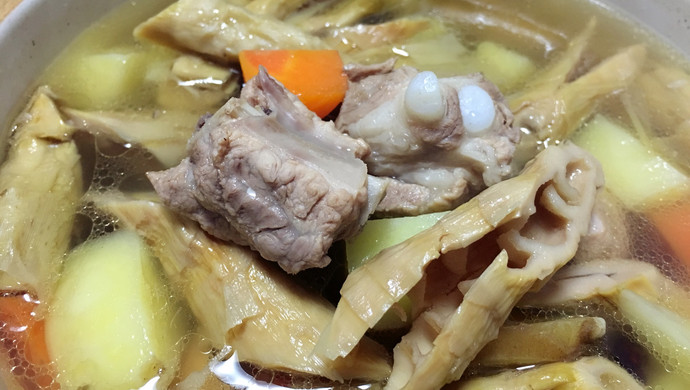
108 175
101 223
110 171
15 361
648 245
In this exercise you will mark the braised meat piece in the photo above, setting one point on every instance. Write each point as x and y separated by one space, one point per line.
265 171
439 140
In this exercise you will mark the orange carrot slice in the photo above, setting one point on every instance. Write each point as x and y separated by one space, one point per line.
315 76
18 316
673 222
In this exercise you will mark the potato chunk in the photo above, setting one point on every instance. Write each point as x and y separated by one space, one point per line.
112 296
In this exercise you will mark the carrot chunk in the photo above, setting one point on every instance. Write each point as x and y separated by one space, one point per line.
24 351
18 317
315 76
673 222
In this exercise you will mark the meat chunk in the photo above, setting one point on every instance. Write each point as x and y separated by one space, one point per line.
265 171
451 136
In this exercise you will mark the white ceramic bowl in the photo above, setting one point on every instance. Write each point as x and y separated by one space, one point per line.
37 30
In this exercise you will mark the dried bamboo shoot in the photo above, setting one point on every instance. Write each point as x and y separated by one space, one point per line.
586 373
537 218
40 187
343 14
540 342
164 134
276 8
653 306
220 30
554 106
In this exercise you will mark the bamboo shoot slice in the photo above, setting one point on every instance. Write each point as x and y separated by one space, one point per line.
220 30
553 106
40 187
586 373
164 134
279 9
539 216
540 342
654 307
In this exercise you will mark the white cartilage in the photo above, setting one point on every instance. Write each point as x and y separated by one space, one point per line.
477 108
423 98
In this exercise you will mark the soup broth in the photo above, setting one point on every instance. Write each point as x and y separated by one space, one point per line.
108 80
